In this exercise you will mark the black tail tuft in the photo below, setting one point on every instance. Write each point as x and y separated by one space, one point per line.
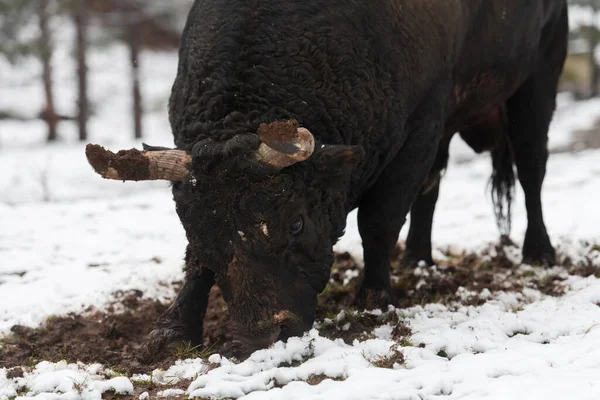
502 181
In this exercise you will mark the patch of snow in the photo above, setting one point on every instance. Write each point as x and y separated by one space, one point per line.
171 392
120 385
64 381
182 369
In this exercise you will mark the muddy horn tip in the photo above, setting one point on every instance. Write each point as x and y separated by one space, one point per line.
99 158
126 165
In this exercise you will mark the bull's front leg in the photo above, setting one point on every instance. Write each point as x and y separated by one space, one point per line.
383 209
184 319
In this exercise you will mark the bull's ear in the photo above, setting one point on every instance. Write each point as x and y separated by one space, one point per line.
335 162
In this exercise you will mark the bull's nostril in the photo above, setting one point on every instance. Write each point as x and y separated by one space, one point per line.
275 335
288 324
284 333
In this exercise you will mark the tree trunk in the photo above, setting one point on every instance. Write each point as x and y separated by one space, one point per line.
594 39
49 113
594 43
134 49
81 24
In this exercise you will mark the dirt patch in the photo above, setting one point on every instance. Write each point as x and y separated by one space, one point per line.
389 361
461 278
312 379
153 390
339 293
316 379
15 373
350 325
114 337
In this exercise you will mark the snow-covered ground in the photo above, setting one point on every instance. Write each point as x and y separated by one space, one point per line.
548 349
69 239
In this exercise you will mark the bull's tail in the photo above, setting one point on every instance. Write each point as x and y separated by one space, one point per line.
502 181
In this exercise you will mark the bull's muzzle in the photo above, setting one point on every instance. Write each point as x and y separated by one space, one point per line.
282 326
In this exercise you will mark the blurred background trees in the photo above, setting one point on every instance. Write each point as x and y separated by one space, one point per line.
582 70
40 30
27 30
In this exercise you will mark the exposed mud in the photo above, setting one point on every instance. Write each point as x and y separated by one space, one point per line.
111 338
176 391
350 325
460 278
114 337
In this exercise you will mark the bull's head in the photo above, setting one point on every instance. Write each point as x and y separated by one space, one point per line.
261 211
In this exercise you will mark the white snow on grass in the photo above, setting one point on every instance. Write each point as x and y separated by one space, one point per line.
62 257
513 347
63 381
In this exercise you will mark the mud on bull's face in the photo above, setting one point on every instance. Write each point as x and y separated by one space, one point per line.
268 237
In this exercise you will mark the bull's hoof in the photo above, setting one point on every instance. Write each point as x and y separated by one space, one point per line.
412 260
539 252
546 258
375 299
159 345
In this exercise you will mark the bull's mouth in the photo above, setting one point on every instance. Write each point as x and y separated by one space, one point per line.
283 326
261 341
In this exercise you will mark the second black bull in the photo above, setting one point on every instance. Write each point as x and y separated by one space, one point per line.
287 115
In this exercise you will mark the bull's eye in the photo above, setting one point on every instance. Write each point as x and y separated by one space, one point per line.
297 226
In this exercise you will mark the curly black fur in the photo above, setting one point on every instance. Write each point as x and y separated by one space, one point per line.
376 82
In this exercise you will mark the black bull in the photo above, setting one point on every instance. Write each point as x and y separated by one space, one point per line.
378 88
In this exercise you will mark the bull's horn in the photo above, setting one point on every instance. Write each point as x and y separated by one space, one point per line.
136 165
284 143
